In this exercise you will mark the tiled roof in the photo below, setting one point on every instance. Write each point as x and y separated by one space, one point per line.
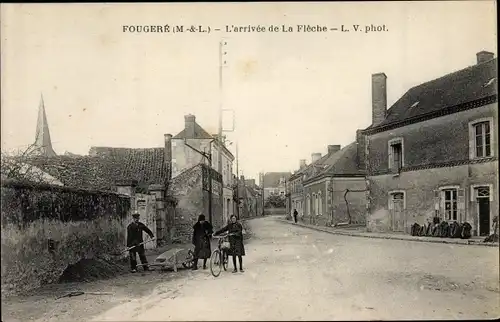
272 179
341 163
107 166
199 133
466 85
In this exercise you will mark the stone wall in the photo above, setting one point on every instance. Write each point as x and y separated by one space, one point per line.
41 236
191 201
419 188
435 154
356 200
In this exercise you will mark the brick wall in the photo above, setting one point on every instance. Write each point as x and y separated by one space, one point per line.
445 139
191 201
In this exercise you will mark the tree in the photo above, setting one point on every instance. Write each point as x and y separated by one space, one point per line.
275 201
16 166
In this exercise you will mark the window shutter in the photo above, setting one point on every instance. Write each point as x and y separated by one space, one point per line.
472 144
390 158
437 205
461 205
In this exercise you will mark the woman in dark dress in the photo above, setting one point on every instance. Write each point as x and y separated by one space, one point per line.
202 231
235 230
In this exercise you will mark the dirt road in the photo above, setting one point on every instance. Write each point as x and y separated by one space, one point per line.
294 273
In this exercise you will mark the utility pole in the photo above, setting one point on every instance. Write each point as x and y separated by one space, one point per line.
237 184
220 105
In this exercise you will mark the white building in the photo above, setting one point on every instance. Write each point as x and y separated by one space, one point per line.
193 146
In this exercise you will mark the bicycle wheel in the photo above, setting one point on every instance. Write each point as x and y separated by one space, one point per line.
226 260
215 263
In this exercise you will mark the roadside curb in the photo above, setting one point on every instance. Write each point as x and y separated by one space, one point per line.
412 238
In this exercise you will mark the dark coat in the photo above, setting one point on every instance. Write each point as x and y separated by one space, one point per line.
201 239
134 233
236 241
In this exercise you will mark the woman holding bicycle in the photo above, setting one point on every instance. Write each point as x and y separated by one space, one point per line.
235 231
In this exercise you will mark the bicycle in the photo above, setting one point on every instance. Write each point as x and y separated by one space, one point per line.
220 257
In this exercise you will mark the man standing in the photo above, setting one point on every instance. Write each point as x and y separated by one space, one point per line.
295 214
134 238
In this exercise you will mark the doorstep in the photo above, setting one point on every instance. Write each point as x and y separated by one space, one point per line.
361 233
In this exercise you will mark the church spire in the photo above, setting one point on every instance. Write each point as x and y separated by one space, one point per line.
43 143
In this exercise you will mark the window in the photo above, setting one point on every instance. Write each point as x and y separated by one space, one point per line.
482 139
450 204
396 161
320 205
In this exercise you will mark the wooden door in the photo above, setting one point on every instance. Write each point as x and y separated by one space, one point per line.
398 216
484 216
146 206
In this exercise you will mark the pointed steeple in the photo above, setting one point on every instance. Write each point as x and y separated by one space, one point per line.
42 138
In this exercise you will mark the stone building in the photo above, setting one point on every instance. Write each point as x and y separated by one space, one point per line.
251 202
335 188
193 146
434 153
274 183
296 190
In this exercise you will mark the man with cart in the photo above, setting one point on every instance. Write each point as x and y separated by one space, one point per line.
135 240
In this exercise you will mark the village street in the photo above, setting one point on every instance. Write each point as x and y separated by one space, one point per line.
294 273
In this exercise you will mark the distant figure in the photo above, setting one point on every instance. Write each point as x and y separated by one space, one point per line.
202 231
134 238
235 230
295 214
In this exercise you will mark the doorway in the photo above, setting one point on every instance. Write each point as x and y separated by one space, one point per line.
398 216
483 210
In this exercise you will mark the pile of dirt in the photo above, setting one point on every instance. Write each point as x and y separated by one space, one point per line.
87 270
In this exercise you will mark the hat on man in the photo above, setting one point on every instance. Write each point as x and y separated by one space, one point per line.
136 215
201 217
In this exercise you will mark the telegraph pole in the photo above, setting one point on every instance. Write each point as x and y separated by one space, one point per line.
237 184
221 43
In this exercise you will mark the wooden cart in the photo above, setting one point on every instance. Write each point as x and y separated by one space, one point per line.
172 259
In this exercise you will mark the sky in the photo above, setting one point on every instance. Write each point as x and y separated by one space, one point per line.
292 94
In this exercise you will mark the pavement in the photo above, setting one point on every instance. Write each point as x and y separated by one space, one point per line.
361 232
293 273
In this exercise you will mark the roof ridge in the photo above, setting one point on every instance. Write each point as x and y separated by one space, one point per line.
449 74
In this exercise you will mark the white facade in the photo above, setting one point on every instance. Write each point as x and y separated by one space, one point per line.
227 177
185 157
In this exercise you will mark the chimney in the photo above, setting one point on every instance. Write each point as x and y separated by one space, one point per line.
379 98
302 163
315 157
361 149
168 154
189 121
484 56
333 148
